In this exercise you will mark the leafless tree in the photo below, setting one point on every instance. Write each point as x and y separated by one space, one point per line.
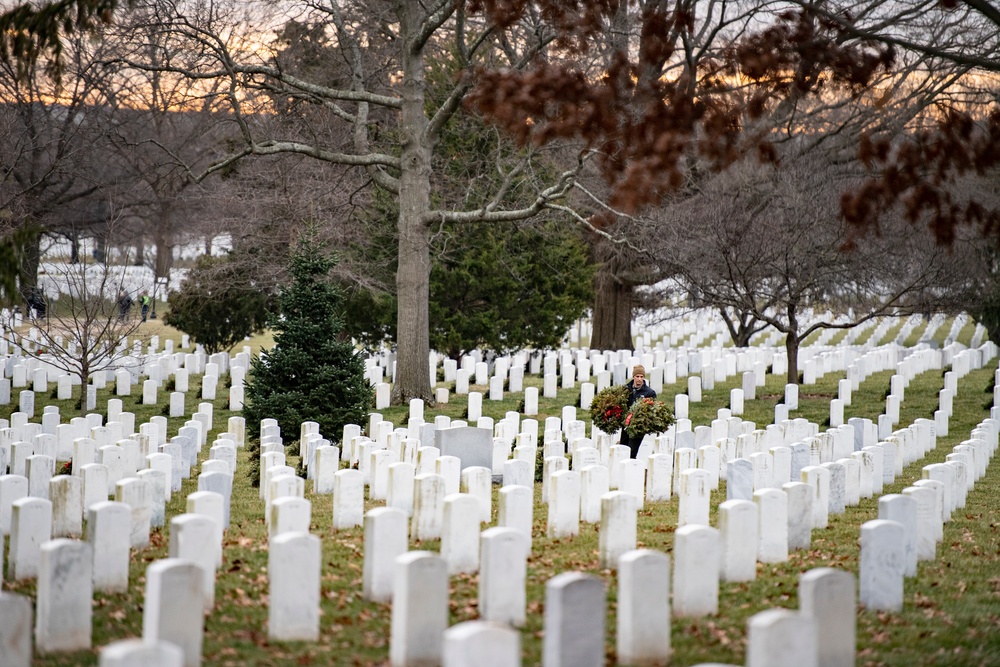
86 329
767 244
52 167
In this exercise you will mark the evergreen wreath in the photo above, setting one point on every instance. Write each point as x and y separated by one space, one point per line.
608 408
648 416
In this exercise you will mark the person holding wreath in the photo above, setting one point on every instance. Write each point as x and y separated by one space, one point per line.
637 388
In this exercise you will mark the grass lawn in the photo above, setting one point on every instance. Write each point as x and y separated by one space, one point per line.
952 608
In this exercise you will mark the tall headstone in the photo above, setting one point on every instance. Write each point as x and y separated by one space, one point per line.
293 565
419 609
738 529
15 629
64 596
643 618
882 566
192 539
348 499
31 527
574 621
696 571
827 596
460 533
564 504
516 509
173 607
385 539
108 533
503 574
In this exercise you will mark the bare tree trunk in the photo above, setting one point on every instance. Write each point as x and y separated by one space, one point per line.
792 346
31 257
84 379
164 245
792 350
414 267
140 252
613 301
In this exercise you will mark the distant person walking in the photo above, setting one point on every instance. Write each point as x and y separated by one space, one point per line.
144 302
124 304
637 388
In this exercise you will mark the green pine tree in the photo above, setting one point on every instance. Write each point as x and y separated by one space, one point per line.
312 373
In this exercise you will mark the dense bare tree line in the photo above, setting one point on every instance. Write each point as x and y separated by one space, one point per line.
710 142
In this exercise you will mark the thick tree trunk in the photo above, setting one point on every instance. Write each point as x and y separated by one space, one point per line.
792 350
613 303
414 267
792 346
164 240
31 257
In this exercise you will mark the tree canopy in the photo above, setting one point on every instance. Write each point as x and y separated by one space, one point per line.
219 303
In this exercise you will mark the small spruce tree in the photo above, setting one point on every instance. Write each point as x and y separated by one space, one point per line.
311 373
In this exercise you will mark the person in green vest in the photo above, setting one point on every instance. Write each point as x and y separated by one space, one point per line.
144 303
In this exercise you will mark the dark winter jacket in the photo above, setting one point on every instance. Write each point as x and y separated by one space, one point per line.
643 392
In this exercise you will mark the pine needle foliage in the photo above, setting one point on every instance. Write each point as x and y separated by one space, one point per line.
312 373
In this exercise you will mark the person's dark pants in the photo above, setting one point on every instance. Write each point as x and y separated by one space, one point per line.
632 443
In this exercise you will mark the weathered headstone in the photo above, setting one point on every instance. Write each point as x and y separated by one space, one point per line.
618 530
192 539
460 532
696 571
827 596
643 618
480 643
419 609
781 638
574 621
173 607
108 533
15 629
772 507
385 539
738 530
31 527
64 596
293 565
140 653
564 504
882 566
503 573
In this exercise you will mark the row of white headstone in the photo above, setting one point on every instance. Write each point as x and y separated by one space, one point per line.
702 557
472 506
69 570
771 545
